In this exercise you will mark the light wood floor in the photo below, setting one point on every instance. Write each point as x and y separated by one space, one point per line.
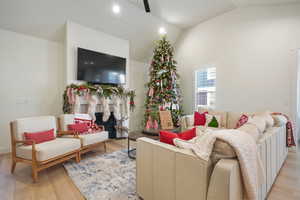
54 183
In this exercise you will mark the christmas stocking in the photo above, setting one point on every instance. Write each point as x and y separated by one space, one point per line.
76 108
106 111
93 100
116 107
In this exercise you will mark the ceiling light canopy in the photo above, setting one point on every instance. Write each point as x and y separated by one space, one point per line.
162 31
116 8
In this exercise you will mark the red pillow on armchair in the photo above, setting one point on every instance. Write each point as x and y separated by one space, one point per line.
80 127
39 137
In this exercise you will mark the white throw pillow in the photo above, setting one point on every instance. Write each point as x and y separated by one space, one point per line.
268 118
259 122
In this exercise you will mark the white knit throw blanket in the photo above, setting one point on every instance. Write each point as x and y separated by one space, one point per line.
245 148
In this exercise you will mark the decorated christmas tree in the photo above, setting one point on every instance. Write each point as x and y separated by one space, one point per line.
163 89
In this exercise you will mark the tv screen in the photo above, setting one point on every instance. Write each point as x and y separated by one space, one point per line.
95 67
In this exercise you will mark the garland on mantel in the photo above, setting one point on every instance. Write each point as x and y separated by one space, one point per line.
98 90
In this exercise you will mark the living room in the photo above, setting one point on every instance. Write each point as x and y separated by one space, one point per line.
192 74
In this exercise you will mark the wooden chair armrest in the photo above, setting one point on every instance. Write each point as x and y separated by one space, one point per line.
62 133
25 142
33 147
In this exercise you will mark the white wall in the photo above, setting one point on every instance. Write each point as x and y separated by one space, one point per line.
31 79
138 73
255 52
80 36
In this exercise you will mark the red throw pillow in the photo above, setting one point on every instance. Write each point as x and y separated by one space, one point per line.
199 118
167 137
188 134
80 127
79 121
39 137
243 120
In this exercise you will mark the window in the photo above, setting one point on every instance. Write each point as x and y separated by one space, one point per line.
205 85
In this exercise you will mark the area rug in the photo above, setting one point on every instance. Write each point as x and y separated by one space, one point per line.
107 176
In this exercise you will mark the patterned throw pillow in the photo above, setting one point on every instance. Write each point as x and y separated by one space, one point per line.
92 126
213 121
79 127
243 120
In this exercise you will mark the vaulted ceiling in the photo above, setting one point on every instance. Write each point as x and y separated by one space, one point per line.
46 18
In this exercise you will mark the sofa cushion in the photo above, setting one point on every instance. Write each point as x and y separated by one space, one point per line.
33 124
189 120
222 114
93 138
279 120
259 122
268 118
39 137
199 118
50 149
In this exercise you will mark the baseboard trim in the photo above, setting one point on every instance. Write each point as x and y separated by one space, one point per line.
4 150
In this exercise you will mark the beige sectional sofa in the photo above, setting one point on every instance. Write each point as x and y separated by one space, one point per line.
165 172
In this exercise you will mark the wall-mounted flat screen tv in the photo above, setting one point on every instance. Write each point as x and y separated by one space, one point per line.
100 68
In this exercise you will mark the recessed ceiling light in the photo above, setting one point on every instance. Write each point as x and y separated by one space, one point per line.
162 31
116 9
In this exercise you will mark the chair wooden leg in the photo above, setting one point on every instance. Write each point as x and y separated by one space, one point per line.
78 157
34 174
13 166
105 147
34 171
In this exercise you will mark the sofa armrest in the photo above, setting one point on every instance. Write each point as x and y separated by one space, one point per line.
168 172
226 181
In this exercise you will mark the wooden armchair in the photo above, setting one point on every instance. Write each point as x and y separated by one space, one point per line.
88 141
43 155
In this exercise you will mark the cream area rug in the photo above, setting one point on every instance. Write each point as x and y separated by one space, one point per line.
104 177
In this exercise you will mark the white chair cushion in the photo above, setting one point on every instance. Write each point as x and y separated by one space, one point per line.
93 138
50 149
67 119
33 124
